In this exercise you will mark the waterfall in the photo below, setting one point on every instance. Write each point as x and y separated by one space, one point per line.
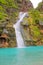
17 27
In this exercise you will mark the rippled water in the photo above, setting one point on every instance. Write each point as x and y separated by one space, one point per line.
21 56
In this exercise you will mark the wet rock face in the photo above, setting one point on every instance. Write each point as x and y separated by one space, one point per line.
25 5
30 4
8 39
3 40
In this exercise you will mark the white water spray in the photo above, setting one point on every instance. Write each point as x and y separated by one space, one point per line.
17 26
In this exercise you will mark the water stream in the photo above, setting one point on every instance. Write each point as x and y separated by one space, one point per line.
17 27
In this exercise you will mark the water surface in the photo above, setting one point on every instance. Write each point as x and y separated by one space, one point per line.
21 56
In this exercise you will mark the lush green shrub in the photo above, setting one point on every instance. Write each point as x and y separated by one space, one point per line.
35 31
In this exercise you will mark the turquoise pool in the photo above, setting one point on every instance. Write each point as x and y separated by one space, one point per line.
21 56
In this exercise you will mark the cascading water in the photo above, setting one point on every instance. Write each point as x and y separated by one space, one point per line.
17 26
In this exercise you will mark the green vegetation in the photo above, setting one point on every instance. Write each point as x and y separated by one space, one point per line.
3 16
8 3
40 7
35 31
35 15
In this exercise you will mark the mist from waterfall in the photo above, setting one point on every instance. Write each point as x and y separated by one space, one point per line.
17 27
